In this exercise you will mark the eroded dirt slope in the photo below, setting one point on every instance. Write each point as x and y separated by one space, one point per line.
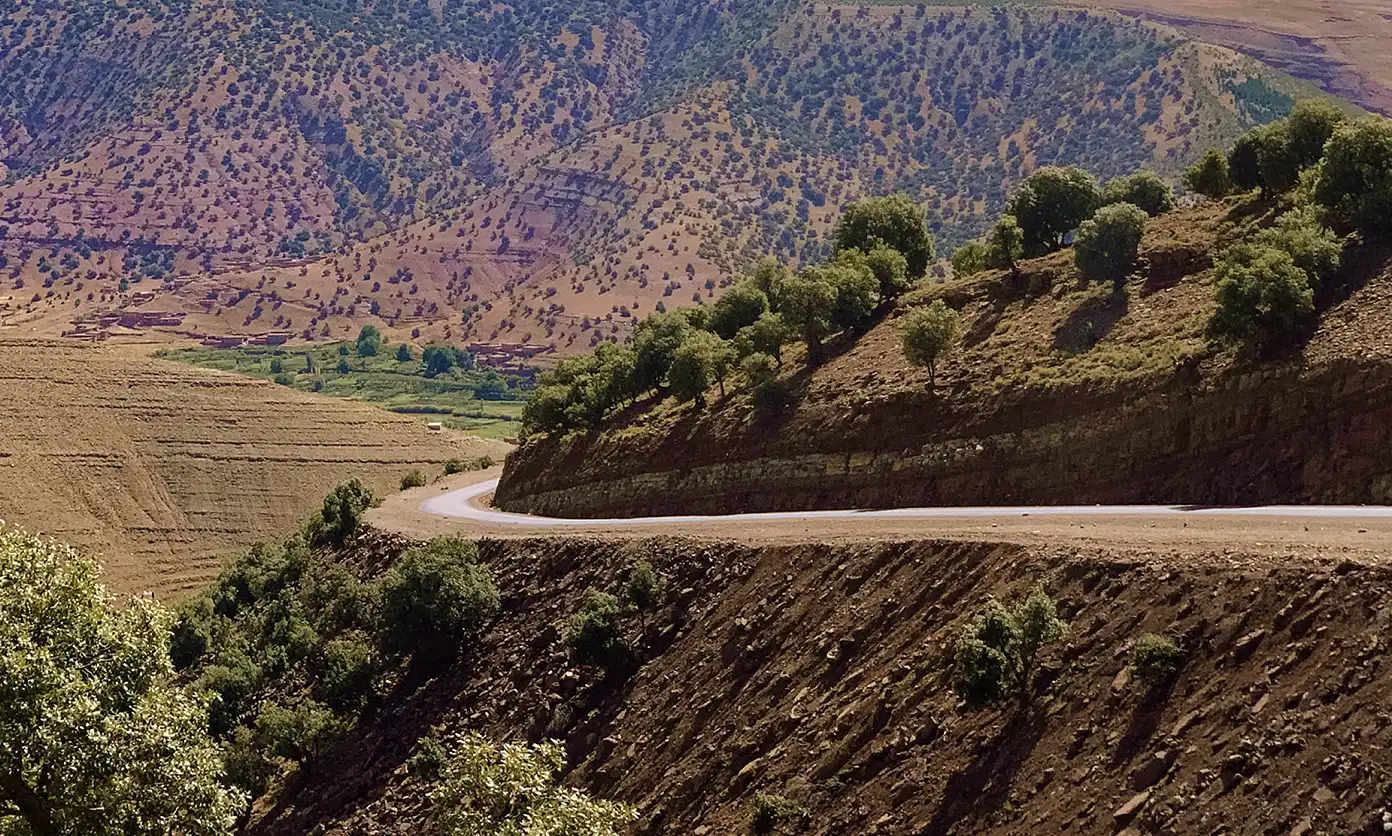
164 468
821 673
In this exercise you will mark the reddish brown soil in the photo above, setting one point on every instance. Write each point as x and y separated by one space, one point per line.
820 672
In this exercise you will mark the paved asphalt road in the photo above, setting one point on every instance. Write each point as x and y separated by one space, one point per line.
466 504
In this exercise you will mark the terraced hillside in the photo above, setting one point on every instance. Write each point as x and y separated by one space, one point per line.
512 173
165 468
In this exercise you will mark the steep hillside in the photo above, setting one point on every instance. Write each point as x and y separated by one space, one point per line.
1061 392
821 674
165 468
509 173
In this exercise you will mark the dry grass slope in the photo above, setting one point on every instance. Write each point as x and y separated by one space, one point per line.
165 468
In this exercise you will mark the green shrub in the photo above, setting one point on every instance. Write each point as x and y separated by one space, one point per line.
1108 244
1155 660
428 761
1209 176
656 342
969 259
414 479
1355 177
1312 246
233 680
437 593
454 466
340 518
926 334
767 392
857 293
298 733
995 655
595 634
403 353
1005 245
774 811
1051 204
701 359
1143 189
193 632
768 335
807 303
1310 125
337 601
369 341
1243 165
644 587
768 276
1262 295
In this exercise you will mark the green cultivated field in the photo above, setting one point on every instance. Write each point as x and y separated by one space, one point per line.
480 402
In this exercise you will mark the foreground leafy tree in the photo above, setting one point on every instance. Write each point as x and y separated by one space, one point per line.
1243 166
1262 295
1051 204
927 333
1355 178
995 655
1144 189
95 737
701 359
437 593
741 306
341 516
807 304
1276 158
1108 243
768 335
1005 245
656 343
1312 246
1310 125
895 222
1209 176
857 294
486 789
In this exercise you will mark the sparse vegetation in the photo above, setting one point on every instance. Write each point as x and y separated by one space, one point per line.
414 479
927 333
1209 176
773 812
595 633
1155 660
1109 242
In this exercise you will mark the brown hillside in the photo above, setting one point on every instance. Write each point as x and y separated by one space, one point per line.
164 468
1058 393
821 673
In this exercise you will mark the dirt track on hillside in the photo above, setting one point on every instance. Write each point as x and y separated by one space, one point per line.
163 468
1359 540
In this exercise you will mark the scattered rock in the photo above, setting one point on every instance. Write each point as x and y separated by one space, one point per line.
1126 812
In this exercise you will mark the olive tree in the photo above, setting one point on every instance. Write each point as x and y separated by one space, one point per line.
1209 176
1310 125
969 259
926 334
1144 189
698 361
807 302
95 735
740 306
1262 295
767 335
894 221
513 789
1108 243
1051 204
1005 245
1355 177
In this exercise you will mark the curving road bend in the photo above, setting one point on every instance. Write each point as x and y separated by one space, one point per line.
459 505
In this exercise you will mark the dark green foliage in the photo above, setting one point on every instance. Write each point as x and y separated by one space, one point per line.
414 479
297 732
595 633
437 594
644 586
774 811
1310 125
1108 244
768 276
1209 176
369 341
349 665
1051 204
1144 189
1243 165
443 359
340 518
1155 660
741 306
767 392
995 655
656 343
403 353
1276 158
807 302
1262 295
702 359
766 336
891 269
857 294
1005 245
1355 178
428 761
581 391
894 221
1312 246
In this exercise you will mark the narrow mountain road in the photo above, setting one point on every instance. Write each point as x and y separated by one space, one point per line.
459 505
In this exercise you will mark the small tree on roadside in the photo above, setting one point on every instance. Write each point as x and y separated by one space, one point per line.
1262 295
1108 244
926 334
595 633
701 359
1209 176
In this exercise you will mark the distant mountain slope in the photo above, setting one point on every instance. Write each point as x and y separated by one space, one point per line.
514 171
165 468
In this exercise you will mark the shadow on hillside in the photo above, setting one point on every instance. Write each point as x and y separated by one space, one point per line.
983 787
1091 321
1360 265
